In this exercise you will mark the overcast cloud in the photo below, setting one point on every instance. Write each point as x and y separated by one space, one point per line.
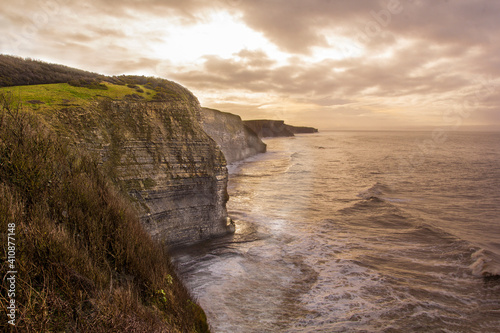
331 64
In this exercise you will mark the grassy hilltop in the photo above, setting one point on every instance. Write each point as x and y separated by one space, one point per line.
57 95
48 86
83 261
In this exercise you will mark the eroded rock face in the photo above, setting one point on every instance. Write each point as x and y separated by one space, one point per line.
159 154
302 129
276 128
268 128
236 141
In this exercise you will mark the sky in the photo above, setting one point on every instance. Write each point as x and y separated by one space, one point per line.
357 64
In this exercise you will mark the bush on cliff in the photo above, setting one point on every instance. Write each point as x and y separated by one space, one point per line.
88 83
83 261
16 71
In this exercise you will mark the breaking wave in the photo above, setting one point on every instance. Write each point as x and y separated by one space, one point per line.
486 264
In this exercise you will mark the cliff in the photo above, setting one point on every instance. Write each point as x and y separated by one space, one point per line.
84 262
301 129
147 135
236 140
268 128
276 128
160 155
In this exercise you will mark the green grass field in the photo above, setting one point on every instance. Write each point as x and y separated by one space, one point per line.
62 94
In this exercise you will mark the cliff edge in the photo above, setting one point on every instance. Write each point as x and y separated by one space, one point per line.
146 134
84 263
160 155
236 140
302 129
275 128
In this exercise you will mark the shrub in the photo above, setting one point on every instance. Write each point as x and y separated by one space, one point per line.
88 83
16 71
160 96
133 97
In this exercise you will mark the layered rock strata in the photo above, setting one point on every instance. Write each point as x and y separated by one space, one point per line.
301 129
268 128
275 128
160 155
236 140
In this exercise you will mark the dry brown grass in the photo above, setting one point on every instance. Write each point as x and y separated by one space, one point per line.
84 262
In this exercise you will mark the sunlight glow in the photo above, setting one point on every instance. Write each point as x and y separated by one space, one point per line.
339 48
222 35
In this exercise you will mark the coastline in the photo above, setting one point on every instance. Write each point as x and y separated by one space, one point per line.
133 172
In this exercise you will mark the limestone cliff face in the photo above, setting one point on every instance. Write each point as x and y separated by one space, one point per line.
301 129
158 153
276 128
268 128
236 141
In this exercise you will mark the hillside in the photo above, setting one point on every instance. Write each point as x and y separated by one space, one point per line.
16 71
83 261
42 85
98 176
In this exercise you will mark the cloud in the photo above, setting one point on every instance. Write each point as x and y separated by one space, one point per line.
404 74
400 57
297 26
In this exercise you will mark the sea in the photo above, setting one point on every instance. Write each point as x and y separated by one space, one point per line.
357 232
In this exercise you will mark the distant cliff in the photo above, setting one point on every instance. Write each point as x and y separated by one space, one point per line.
268 128
236 141
275 128
302 129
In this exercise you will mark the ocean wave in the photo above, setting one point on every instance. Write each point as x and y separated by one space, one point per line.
486 264
367 204
380 192
376 191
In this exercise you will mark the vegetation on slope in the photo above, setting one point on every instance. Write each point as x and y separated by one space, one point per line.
60 95
83 261
43 86
17 71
